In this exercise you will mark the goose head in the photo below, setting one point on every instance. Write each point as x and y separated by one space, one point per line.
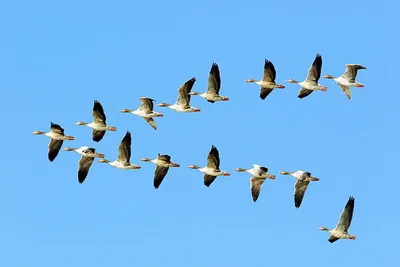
250 81
329 77
323 229
292 81
104 160
194 167
81 123
164 105
125 110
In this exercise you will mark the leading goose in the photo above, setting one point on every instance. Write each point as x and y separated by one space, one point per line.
98 124
211 170
311 82
88 155
214 85
182 104
57 138
300 187
124 155
348 78
340 231
268 81
145 111
163 163
259 174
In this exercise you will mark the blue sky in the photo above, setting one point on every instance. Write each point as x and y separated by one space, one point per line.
56 58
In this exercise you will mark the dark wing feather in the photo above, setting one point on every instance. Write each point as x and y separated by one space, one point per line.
124 148
269 72
165 158
304 92
346 216
55 128
265 169
98 135
351 71
147 103
314 72
214 79
264 92
256 187
300 188
183 92
98 112
209 179
332 238
159 175
84 166
54 148
213 158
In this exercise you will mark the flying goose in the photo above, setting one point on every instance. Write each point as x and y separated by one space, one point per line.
211 171
145 111
88 155
340 231
311 82
163 163
98 125
124 155
214 85
300 187
183 102
57 138
268 81
259 174
348 78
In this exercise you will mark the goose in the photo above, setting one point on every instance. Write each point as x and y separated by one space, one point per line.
268 81
98 125
57 137
163 163
214 85
145 111
88 155
124 155
211 170
348 78
300 187
340 231
259 174
311 82
183 102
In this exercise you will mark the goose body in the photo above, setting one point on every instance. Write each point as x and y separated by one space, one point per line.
182 104
124 155
268 81
342 226
310 84
259 175
98 124
57 137
300 187
163 163
88 154
211 170
348 78
214 85
145 111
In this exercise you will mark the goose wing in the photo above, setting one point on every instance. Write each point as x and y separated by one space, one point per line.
54 148
84 165
55 128
97 135
213 158
255 187
183 92
303 92
124 148
269 72
214 80
165 158
314 72
159 175
351 72
98 113
346 90
151 122
147 104
208 179
264 92
346 216
332 238
300 189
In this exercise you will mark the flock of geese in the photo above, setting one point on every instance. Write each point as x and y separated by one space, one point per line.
212 169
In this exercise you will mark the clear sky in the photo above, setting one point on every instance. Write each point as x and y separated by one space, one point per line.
58 56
